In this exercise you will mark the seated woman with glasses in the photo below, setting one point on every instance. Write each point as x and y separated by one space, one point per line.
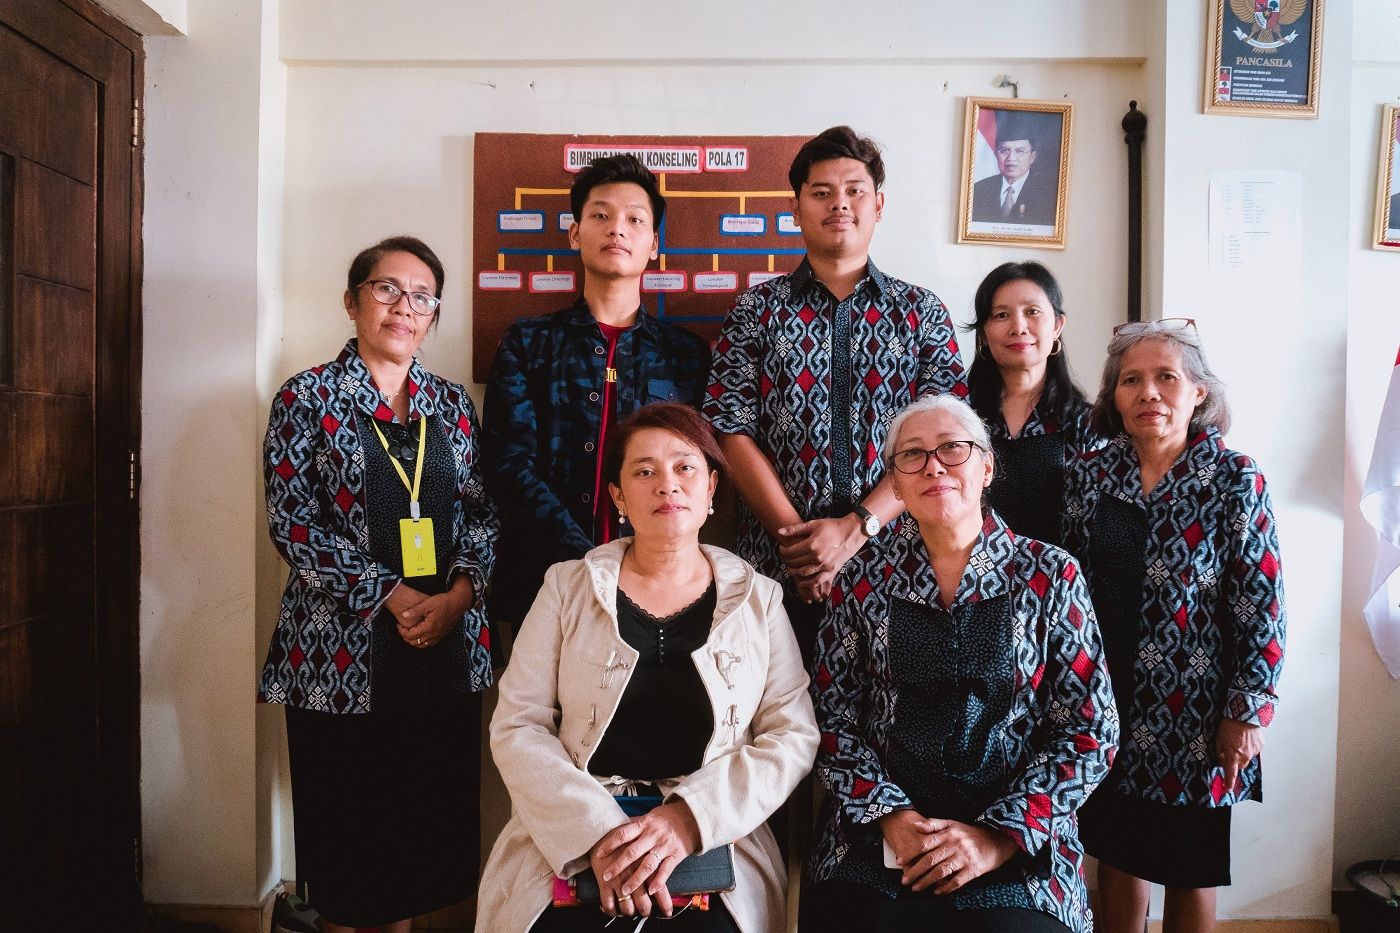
1176 536
1021 387
381 652
965 710
659 667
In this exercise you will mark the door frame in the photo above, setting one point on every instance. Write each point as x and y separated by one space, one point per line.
92 41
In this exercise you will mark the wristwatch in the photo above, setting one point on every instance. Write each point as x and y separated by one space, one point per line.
868 522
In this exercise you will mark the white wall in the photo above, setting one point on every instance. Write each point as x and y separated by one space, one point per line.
1368 766
347 186
245 258
1265 327
819 31
202 413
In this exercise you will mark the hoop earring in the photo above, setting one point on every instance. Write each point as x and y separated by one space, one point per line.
1056 347
982 351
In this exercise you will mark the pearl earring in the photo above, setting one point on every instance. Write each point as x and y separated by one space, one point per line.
621 517
711 510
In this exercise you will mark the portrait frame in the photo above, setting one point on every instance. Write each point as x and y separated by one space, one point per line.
1242 76
1386 230
1041 132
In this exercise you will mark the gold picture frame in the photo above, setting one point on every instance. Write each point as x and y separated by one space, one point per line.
1386 230
1015 187
1253 54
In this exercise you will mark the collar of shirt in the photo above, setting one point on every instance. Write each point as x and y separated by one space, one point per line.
1036 425
580 316
988 571
1123 471
422 401
1015 186
802 277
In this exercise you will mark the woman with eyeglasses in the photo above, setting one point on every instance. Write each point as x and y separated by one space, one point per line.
1176 536
1021 386
381 651
965 710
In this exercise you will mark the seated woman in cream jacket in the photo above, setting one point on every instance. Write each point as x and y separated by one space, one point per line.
653 660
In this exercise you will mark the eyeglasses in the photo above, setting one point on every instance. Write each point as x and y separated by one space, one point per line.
1165 325
1022 151
387 293
951 454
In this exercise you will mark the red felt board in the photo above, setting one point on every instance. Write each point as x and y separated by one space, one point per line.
521 186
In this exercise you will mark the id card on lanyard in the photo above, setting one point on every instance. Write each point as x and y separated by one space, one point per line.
415 532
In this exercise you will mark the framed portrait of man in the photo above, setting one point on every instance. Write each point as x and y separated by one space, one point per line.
1262 57
1015 172
1387 228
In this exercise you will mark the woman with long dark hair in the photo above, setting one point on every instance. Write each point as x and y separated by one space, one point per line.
1021 387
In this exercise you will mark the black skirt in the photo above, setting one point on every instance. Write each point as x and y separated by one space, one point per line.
386 808
1180 847
842 906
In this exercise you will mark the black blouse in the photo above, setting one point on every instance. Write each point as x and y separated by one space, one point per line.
406 675
664 718
1028 489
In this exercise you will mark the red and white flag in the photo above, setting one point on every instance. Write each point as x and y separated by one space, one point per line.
1380 503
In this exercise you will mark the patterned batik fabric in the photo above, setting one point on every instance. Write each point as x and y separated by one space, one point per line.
773 376
314 468
1031 469
1210 621
1057 734
543 414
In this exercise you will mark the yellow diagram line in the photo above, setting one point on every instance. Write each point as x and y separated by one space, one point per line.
662 260
742 199
718 194
523 191
770 265
500 262
549 263
714 262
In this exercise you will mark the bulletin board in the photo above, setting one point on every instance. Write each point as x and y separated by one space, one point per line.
728 226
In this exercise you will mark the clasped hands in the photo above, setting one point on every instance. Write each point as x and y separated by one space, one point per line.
815 551
943 854
423 620
633 861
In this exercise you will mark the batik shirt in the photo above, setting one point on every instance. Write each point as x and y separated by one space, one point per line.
775 379
317 515
1058 735
544 417
1206 640
1028 488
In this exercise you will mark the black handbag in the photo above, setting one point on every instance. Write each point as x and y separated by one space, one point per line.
707 873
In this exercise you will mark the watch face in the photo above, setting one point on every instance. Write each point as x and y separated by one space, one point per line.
872 526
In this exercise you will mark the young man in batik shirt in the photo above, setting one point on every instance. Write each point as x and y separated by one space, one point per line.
809 369
560 383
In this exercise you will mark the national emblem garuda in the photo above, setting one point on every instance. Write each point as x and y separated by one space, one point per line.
1266 20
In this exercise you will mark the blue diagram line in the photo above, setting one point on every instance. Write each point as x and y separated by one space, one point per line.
734 251
533 251
686 251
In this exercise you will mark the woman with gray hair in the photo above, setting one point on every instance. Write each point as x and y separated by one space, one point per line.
965 710
1176 535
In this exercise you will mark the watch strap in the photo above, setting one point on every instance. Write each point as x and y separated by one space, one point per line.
867 519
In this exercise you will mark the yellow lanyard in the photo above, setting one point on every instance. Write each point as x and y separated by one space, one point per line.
417 483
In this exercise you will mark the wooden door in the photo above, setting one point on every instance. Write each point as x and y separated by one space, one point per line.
69 349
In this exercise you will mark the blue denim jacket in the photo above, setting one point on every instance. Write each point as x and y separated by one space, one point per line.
543 414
